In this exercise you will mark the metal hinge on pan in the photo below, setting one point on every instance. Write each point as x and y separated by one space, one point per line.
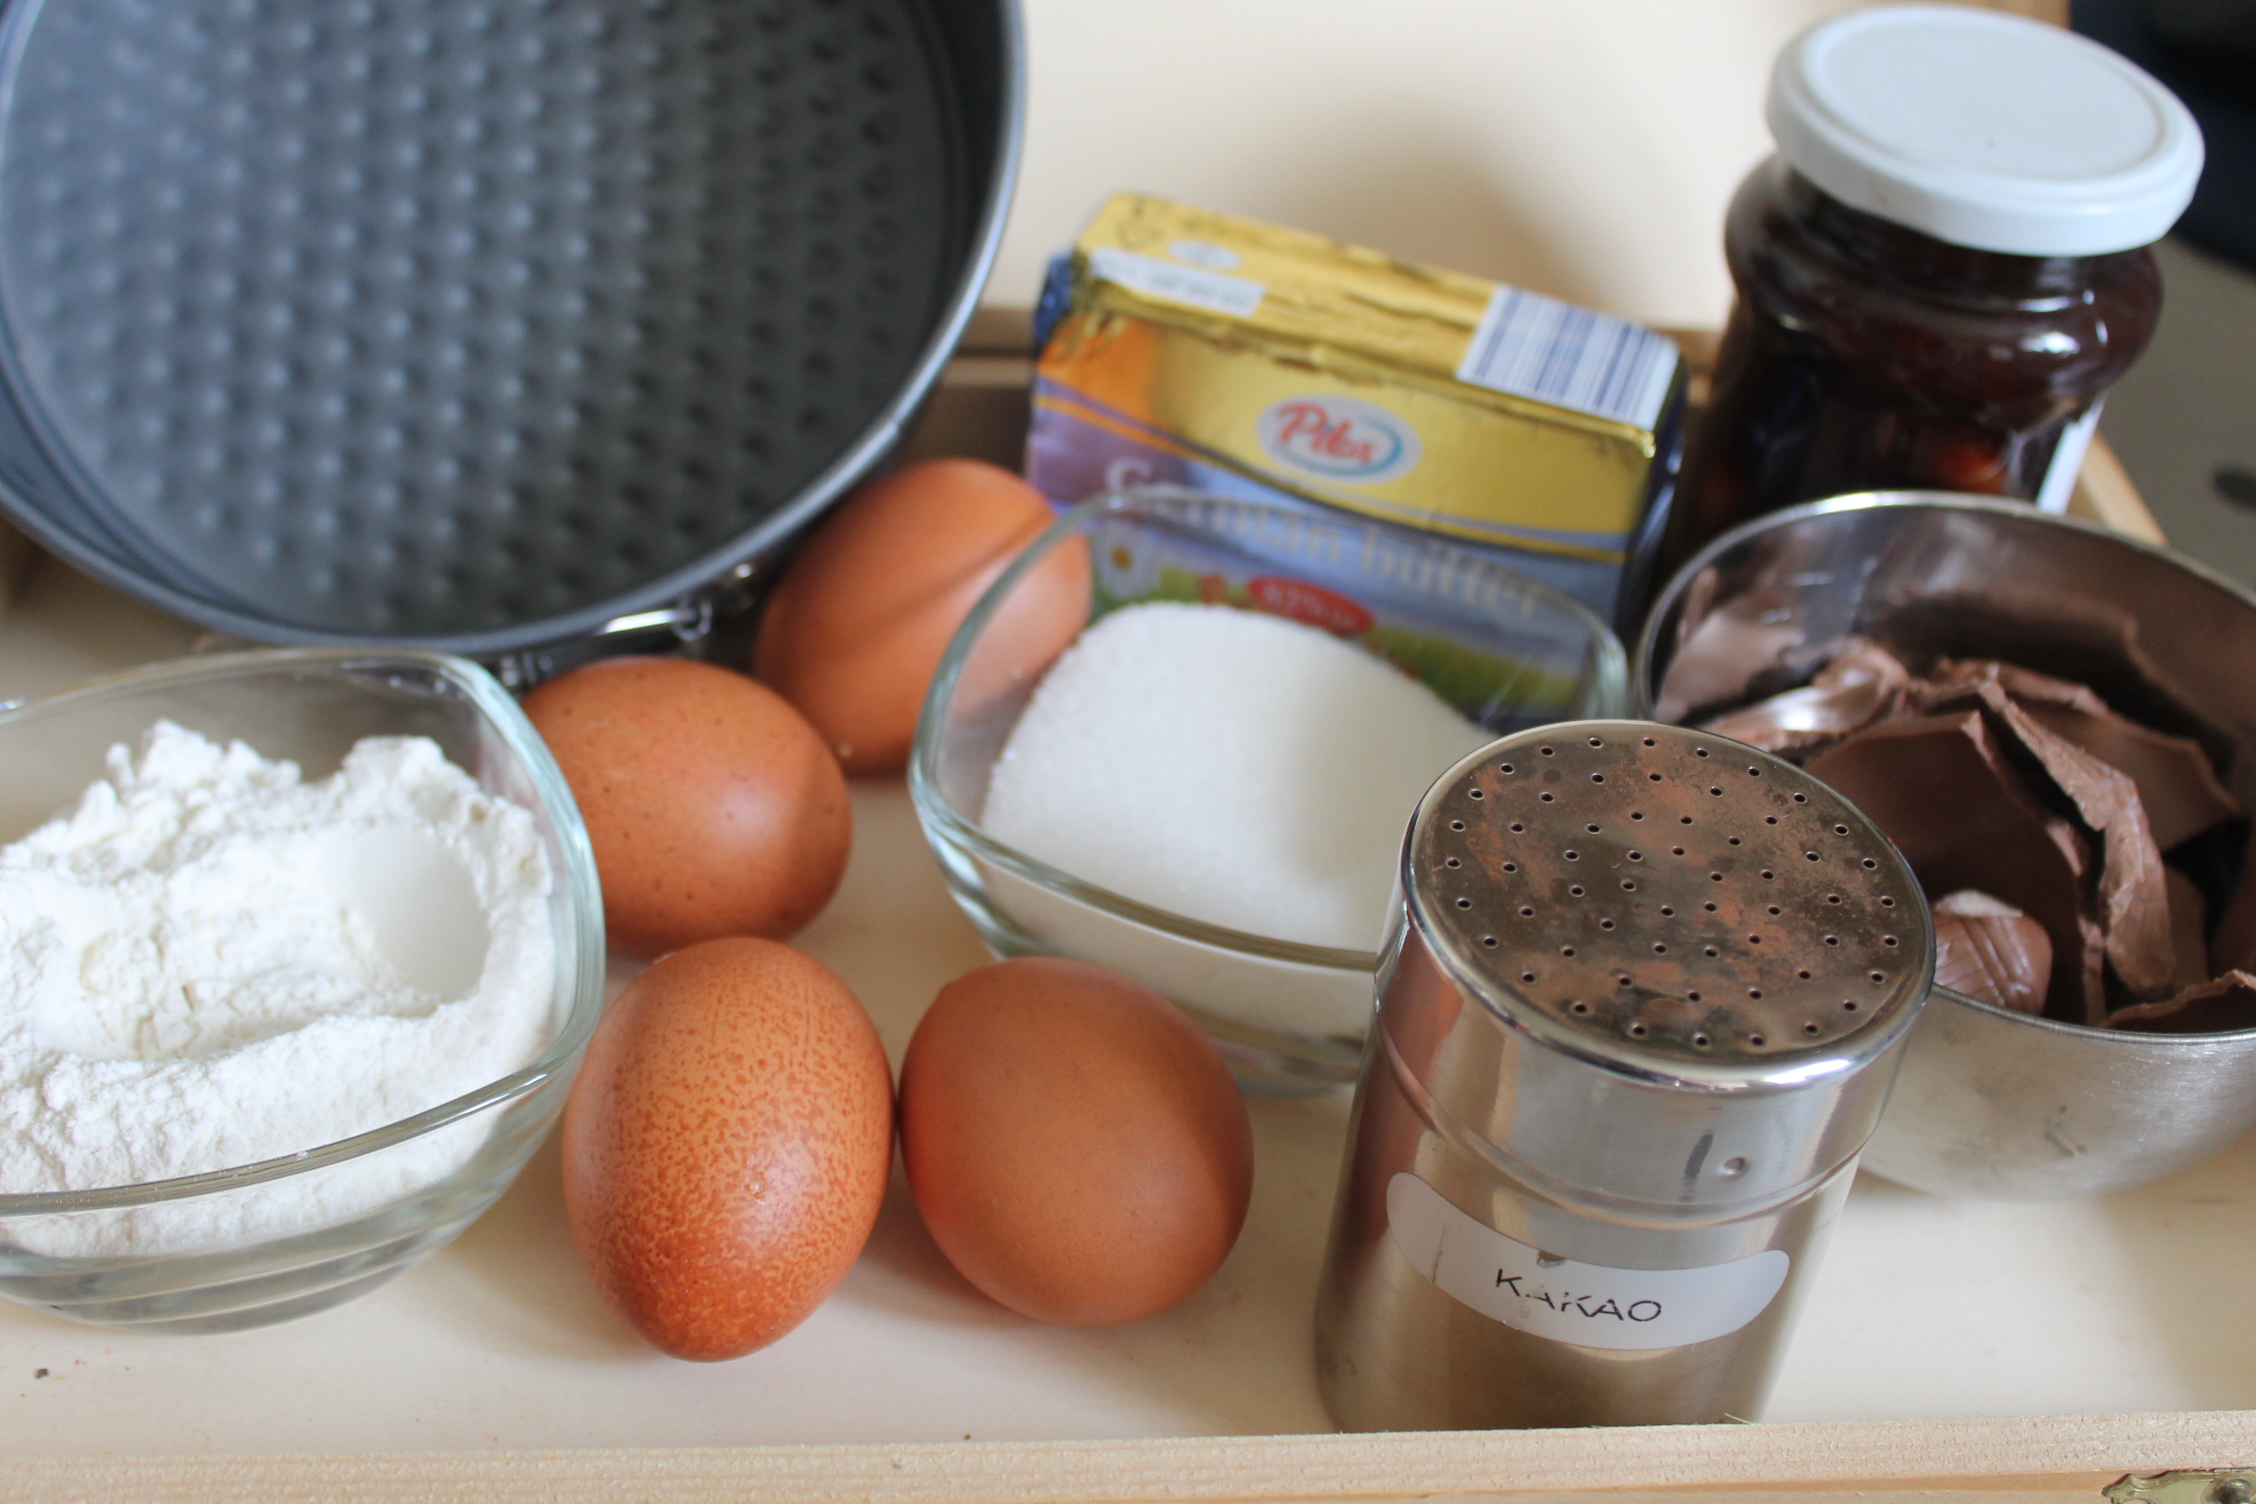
2220 1485
688 623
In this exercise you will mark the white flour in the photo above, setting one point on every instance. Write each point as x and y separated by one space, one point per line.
209 963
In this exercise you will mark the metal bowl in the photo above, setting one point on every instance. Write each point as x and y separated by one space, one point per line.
1992 1103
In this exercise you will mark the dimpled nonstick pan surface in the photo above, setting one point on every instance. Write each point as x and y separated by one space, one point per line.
475 323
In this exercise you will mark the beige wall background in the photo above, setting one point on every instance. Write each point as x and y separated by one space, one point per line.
1582 148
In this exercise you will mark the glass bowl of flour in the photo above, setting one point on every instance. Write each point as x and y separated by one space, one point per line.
298 952
1206 789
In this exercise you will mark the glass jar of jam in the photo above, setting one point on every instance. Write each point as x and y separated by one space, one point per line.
1941 270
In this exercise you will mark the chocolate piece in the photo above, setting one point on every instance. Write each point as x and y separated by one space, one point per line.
2232 944
1864 683
2176 783
2092 984
1951 677
1725 651
1992 951
2219 1007
2175 780
2134 912
2134 899
2189 915
1938 787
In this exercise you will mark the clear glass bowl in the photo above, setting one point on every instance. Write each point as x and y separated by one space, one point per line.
445 1165
1507 651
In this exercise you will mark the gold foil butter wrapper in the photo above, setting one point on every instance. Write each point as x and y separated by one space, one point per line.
1204 350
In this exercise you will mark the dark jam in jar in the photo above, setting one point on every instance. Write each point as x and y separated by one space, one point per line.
1863 356
1941 271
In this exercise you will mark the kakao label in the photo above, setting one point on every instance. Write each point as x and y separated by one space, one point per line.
1590 1305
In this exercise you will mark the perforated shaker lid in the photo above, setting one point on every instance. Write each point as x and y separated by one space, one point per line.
1672 901
1985 130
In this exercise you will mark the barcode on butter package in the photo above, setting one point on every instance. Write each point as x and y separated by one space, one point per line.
1534 346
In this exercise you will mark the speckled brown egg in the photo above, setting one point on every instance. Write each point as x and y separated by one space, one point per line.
857 625
1076 1146
726 1146
713 807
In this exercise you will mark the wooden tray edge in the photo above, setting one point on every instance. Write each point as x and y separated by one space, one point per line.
1995 1460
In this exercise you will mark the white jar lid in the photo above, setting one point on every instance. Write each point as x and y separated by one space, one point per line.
1985 130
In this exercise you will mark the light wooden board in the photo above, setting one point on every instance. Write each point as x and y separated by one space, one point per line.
1994 1461
493 1372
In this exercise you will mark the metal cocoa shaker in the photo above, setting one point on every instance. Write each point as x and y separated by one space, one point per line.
1637 1016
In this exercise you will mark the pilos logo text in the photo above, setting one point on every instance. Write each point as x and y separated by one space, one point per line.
1338 438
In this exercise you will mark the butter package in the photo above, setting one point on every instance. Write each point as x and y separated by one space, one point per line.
1219 353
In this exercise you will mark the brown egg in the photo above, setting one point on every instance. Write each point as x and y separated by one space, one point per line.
726 1146
1076 1146
855 629
713 806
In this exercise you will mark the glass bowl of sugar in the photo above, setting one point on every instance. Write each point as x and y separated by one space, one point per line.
304 946
1196 767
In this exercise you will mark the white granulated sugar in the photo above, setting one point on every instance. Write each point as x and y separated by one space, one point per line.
210 962
1238 768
